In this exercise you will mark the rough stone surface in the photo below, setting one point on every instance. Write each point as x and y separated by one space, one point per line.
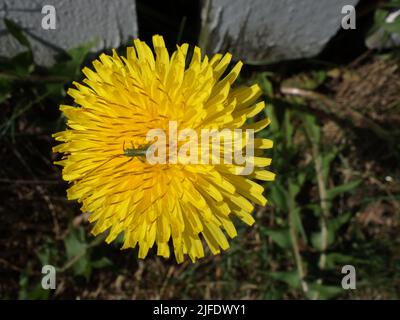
264 31
109 23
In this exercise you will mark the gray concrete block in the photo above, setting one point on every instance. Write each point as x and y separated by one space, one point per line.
264 31
110 23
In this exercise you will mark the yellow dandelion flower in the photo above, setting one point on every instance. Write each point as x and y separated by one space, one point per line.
105 148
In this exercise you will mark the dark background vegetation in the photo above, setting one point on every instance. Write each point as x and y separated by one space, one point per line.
336 199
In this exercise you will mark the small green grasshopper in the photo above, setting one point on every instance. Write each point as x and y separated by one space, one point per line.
136 152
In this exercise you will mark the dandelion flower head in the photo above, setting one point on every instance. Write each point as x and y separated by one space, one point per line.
123 98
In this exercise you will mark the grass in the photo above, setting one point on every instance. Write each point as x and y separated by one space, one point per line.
335 200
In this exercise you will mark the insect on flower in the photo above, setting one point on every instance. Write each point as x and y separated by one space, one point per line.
140 153
174 206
